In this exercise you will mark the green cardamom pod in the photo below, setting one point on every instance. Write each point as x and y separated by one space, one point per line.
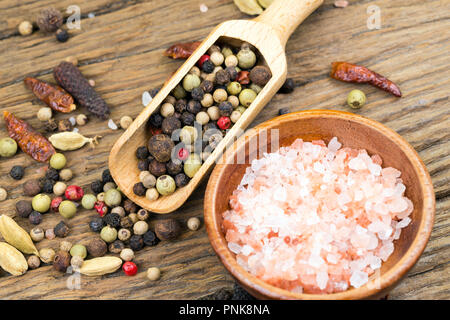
12 260
250 7
16 236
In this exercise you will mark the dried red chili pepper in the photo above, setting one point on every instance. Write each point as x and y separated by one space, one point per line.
182 50
348 72
29 140
54 96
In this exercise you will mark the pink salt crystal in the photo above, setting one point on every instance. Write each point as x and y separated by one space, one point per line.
314 218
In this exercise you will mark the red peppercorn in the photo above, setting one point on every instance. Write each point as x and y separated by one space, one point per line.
154 131
243 77
101 208
129 268
74 193
224 123
202 59
183 154
54 206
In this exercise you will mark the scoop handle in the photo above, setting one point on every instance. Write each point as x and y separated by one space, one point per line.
284 16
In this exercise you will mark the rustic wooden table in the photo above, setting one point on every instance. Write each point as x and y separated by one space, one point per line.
120 46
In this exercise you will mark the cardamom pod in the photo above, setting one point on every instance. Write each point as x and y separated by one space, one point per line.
12 260
70 140
250 7
16 236
100 266
265 3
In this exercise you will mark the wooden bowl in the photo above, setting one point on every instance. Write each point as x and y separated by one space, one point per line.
352 131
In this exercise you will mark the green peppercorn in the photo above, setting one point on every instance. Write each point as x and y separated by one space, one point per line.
255 88
241 109
78 250
67 209
190 82
41 203
226 51
88 201
178 92
8 147
58 161
113 197
246 58
188 135
246 97
356 99
108 234
165 185
192 165
234 88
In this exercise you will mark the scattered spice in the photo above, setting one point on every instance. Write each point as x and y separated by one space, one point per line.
61 261
30 141
97 248
288 86
37 234
3 194
136 242
61 230
153 274
47 255
16 235
25 28
100 266
348 72
356 99
12 260
17 172
49 19
182 50
33 262
250 7
341 3
71 79
129 268
167 229
116 247
67 141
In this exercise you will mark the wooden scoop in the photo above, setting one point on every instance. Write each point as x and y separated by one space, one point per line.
268 33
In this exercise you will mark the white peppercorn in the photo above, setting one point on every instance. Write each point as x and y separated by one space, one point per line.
81 119
220 95
3 194
125 122
25 28
44 114
213 113
65 174
119 210
37 234
193 223
59 188
234 100
167 110
76 262
127 254
235 115
153 273
133 217
195 70
207 100
47 255
124 234
152 194
231 61
65 246
140 227
217 58
149 181
202 117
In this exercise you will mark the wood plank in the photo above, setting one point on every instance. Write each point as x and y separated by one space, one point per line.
121 49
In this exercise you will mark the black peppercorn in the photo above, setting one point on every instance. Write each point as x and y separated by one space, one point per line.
49 19
225 108
50 125
170 124
35 217
112 219
52 174
207 86
157 168
23 208
232 72
187 118
288 86
222 77
143 164
116 247
197 94
129 206
180 105
208 66
283 111
156 120
17 172
160 147
150 238
136 242
62 35
97 186
61 230
174 167
106 176
210 126
177 115
167 229
65 125
139 189
194 107
47 186
126 222
181 180
32 187
96 224
142 153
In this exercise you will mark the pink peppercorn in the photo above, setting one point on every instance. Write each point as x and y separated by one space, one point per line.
224 123
101 208
74 193
183 154
129 268
54 206
202 60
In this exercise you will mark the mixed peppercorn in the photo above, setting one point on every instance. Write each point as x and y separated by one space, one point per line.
193 119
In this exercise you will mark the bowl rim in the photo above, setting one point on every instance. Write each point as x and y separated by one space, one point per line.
388 279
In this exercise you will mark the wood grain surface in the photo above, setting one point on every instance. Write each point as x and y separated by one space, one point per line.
121 49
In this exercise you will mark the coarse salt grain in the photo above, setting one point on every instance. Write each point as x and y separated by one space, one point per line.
203 8
315 218
146 98
112 125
